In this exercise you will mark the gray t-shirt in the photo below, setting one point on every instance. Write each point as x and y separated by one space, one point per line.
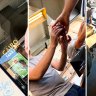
51 84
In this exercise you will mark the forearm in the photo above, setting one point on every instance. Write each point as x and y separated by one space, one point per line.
79 43
63 61
59 65
81 38
69 6
43 65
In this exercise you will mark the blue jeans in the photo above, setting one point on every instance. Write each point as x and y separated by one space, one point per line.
76 91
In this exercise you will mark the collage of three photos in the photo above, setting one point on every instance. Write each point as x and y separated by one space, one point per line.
47 47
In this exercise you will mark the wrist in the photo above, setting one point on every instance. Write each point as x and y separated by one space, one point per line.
65 14
63 48
64 54
64 51
78 43
53 46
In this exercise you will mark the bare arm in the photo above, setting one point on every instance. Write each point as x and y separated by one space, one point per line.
60 65
64 16
39 70
68 7
81 36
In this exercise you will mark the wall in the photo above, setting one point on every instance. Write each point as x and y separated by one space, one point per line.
12 3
